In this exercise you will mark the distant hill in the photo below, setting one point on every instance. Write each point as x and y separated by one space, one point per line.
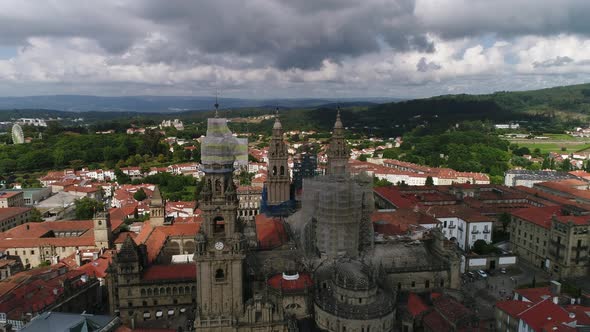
161 104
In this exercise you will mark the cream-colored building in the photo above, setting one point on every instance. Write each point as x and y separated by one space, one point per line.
11 199
50 241
553 239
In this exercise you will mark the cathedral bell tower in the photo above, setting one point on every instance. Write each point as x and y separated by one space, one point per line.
337 150
278 180
220 245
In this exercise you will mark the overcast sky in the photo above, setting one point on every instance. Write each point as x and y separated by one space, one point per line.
291 48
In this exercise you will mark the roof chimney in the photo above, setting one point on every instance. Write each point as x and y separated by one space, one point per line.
555 287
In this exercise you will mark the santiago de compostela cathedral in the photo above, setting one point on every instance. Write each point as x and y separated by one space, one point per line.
329 276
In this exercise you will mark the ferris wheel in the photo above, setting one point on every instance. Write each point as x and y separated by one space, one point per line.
17 134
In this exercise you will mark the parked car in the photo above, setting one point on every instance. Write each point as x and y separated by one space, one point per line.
471 275
482 273
503 270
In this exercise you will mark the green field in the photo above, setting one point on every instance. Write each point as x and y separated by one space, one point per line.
555 147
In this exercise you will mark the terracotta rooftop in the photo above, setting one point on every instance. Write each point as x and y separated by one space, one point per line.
399 222
278 282
576 220
545 314
534 294
270 232
8 194
461 211
10 212
170 272
416 305
540 216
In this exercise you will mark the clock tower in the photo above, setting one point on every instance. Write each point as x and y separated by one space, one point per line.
220 245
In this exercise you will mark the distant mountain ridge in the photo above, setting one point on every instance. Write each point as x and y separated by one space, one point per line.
164 104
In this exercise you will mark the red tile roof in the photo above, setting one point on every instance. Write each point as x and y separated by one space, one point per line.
540 216
34 290
98 267
534 294
394 196
303 282
576 220
270 232
21 237
8 194
582 313
460 211
513 307
154 244
10 212
451 309
545 314
415 305
171 272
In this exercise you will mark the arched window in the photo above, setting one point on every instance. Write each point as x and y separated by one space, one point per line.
219 275
282 170
143 292
149 292
218 186
274 170
174 290
219 225
156 292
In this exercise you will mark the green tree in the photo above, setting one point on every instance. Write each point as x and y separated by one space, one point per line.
429 181
122 178
36 215
566 165
363 157
86 207
140 195
381 182
505 220
481 247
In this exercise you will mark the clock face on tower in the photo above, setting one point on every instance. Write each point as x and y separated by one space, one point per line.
219 245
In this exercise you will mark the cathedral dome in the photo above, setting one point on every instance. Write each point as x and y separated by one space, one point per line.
353 275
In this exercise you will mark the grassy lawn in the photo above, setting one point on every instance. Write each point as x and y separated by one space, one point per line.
555 147
564 137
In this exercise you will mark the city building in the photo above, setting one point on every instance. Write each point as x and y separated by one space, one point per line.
541 309
526 178
11 199
40 242
249 198
28 294
552 238
13 216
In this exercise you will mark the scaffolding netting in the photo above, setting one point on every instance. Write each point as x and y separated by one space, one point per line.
220 149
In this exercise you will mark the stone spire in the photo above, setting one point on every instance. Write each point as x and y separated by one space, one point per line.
278 181
337 150
277 128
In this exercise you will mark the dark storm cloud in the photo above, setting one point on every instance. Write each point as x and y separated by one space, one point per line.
113 27
556 62
290 34
506 18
